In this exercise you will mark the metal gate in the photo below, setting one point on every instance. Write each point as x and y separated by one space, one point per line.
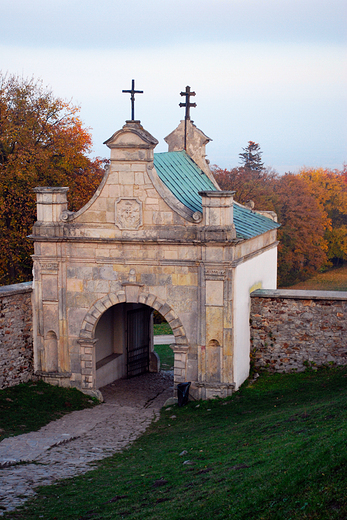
138 341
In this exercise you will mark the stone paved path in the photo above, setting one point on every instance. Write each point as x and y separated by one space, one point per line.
70 445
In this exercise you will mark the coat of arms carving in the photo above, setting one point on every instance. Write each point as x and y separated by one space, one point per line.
128 213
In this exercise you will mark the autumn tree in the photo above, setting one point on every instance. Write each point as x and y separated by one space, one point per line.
42 143
302 248
248 185
329 188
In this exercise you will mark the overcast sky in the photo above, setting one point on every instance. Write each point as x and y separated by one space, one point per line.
270 71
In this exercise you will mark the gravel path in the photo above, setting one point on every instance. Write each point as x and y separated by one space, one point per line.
70 445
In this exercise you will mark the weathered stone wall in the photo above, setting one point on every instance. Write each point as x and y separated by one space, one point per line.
291 330
16 334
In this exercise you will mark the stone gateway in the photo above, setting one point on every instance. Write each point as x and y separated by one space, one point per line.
157 234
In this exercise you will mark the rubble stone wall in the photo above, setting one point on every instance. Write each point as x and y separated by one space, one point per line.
16 334
291 330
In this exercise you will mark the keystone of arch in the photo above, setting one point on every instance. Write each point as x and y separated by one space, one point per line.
95 312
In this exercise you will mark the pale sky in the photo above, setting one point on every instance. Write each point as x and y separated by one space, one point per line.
269 71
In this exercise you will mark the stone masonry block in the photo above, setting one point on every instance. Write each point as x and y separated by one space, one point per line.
148 279
88 326
150 300
165 309
85 334
114 298
179 331
139 179
89 318
86 357
180 358
157 306
96 313
170 316
181 340
121 296
175 324
143 298
107 301
100 306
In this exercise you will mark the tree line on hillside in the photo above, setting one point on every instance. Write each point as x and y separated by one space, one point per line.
43 143
311 207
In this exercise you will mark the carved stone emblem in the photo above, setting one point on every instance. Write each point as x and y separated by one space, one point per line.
128 213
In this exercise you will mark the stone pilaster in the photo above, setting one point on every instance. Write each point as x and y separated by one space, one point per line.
88 364
180 363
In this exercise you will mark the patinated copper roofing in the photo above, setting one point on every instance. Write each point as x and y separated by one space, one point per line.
185 179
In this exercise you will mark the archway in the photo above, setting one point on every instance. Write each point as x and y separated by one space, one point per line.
124 346
116 336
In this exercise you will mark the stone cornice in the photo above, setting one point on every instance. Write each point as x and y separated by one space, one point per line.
299 294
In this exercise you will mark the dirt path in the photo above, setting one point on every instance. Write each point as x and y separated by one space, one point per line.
70 445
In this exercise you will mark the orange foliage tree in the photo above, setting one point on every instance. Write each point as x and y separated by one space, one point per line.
302 249
329 188
42 143
304 220
249 185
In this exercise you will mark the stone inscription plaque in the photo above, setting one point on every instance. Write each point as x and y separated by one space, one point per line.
128 213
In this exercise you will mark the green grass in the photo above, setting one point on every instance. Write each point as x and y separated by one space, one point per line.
166 356
29 406
161 329
275 450
333 280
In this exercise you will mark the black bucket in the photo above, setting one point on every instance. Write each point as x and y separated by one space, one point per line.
183 393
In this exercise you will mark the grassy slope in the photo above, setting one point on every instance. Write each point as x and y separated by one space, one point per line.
29 406
274 450
333 280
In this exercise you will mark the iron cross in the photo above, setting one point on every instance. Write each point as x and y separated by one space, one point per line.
132 98
187 104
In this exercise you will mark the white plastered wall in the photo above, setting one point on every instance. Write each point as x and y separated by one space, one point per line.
260 272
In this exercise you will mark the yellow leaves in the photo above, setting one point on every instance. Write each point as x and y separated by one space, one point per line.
337 240
328 187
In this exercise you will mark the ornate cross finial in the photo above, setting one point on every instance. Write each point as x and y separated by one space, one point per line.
187 104
132 98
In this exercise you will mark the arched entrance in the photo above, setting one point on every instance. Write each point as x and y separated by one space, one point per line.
124 346
117 337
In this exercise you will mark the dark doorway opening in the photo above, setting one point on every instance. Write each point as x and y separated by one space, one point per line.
138 340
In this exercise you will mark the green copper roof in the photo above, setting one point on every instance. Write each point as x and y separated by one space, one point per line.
250 224
185 179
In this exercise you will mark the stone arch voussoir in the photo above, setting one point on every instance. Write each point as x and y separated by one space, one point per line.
95 312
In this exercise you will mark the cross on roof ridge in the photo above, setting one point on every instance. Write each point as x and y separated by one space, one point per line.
132 93
187 104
